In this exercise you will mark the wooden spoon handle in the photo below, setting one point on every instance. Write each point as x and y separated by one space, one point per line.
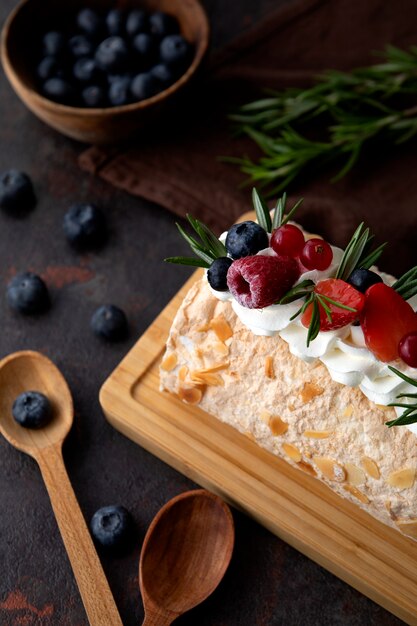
94 589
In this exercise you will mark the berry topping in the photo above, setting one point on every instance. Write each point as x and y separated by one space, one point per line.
217 273
144 46
32 409
80 46
90 23
331 292
109 322
112 55
316 255
144 86
94 96
119 91
407 349
27 293
16 191
175 50
162 24
163 74
245 239
48 68
59 90
362 279
113 528
137 22
86 71
85 226
259 281
386 319
115 22
54 44
287 240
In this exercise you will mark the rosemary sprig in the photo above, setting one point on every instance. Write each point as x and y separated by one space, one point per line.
299 291
357 253
353 108
409 416
406 286
279 218
207 249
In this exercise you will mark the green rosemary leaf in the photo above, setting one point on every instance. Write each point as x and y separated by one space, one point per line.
407 395
301 310
352 251
291 213
403 420
407 379
262 212
338 304
206 235
326 308
299 291
199 250
406 285
184 260
279 211
314 327
372 257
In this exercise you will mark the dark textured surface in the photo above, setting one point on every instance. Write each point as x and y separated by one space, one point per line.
268 583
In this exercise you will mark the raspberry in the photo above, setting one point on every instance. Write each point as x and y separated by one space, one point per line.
259 281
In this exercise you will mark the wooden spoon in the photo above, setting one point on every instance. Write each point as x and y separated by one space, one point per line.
185 554
31 371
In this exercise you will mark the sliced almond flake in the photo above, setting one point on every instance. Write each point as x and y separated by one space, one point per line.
318 434
169 362
213 380
310 391
277 425
306 467
407 526
354 474
221 348
347 412
221 328
292 452
202 328
402 479
370 467
356 493
190 396
265 417
213 368
330 468
269 367
199 353
383 407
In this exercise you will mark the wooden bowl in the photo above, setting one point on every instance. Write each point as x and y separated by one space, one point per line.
105 125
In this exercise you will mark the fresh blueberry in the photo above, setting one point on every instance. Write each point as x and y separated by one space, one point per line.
112 55
217 273
175 51
144 46
16 191
245 239
85 226
163 74
113 528
27 293
137 22
80 46
59 90
89 22
54 44
161 24
144 86
362 279
32 409
119 91
109 322
115 21
86 71
49 67
94 97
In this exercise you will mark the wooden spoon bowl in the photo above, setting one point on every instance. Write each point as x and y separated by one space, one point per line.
185 554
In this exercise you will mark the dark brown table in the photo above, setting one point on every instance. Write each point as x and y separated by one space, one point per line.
268 582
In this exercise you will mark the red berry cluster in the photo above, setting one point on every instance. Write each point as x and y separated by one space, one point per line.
313 254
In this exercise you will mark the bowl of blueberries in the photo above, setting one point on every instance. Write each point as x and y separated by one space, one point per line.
99 71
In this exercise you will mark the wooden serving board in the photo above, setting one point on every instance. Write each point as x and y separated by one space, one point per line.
373 558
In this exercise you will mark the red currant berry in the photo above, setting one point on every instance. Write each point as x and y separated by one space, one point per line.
287 240
407 349
316 254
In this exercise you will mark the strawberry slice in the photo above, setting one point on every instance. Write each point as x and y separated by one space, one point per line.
385 319
341 292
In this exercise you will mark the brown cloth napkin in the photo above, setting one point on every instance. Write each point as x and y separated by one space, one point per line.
178 167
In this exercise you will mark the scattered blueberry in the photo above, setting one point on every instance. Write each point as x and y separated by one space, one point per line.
115 22
119 91
109 322
32 409
49 67
137 22
112 55
59 90
362 279
113 528
245 239
86 71
175 50
16 191
162 24
164 75
27 293
80 46
144 45
94 97
54 44
217 273
144 86
85 226
90 23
